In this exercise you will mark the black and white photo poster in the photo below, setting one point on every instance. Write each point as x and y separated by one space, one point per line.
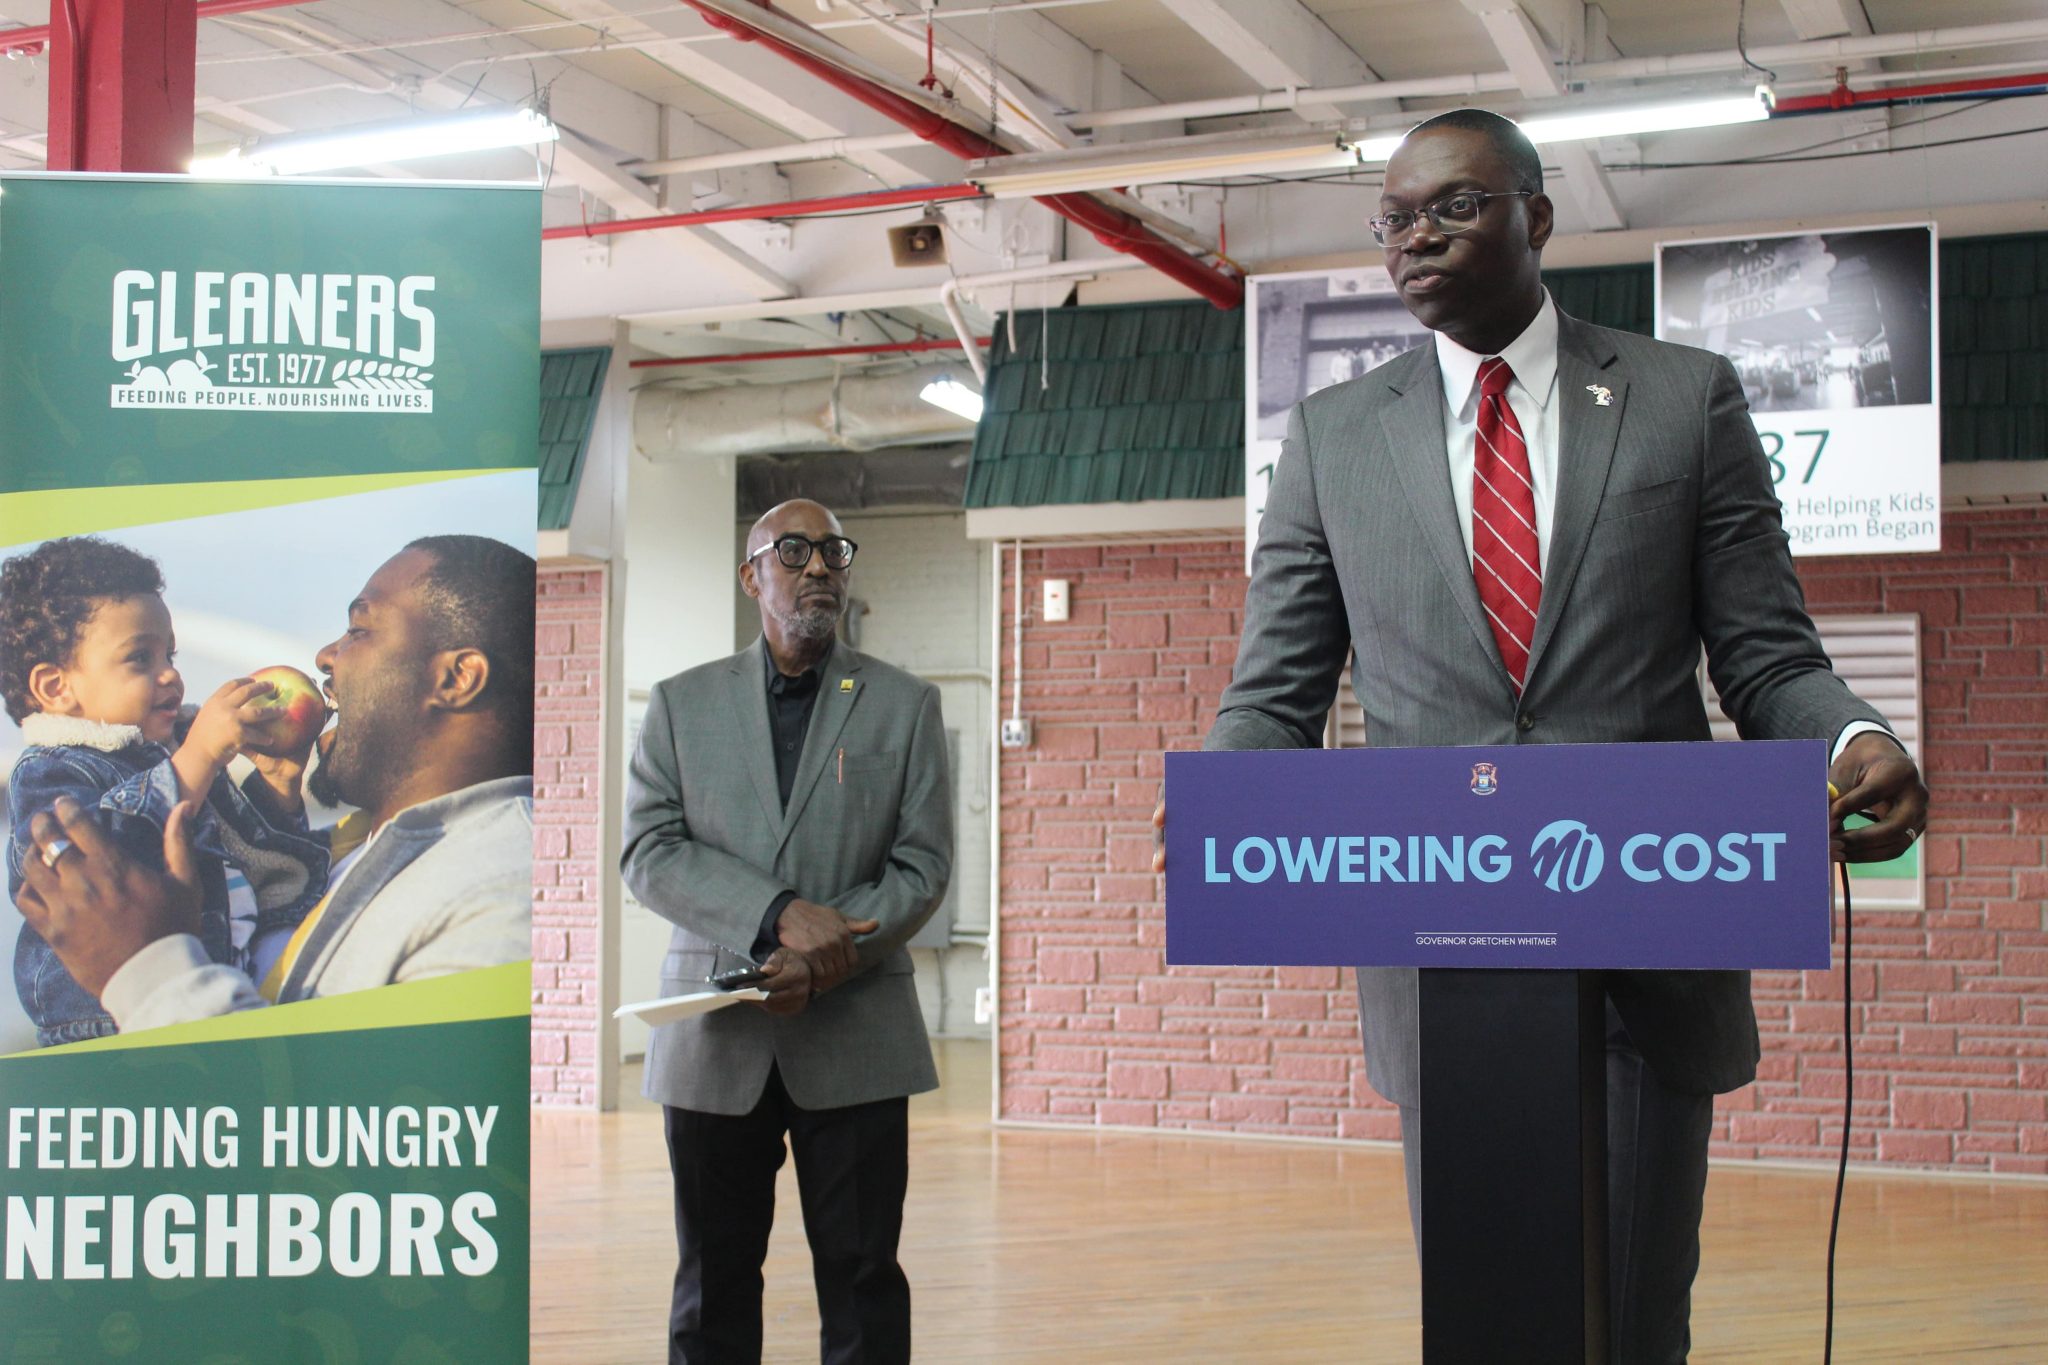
1306 331
1833 337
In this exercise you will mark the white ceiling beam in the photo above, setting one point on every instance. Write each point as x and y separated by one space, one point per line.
1282 45
1588 185
1524 50
1830 19
631 197
575 158
1037 56
1826 18
758 82
748 78
1533 64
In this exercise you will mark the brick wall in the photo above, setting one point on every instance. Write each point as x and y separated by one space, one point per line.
1952 1019
1953 1045
567 738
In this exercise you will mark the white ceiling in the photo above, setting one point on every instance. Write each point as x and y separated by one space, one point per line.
639 80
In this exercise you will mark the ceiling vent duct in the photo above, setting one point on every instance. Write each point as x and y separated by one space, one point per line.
852 412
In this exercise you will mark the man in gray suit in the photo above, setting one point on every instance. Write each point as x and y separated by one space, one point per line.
1526 531
791 805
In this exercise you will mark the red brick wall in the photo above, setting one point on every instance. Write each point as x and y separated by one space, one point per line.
1952 1019
1953 1046
567 773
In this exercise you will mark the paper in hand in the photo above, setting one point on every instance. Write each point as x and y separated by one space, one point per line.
667 1010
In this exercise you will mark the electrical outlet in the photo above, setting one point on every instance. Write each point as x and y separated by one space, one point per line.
1016 733
1056 601
984 1004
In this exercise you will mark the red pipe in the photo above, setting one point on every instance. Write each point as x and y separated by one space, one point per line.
1112 227
35 38
793 208
885 348
1842 97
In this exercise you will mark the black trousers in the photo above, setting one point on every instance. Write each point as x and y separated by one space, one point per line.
1656 1191
852 1168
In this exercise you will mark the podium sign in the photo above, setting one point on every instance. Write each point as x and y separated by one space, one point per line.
1692 856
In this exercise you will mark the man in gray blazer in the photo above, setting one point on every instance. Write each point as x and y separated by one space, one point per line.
1535 554
791 805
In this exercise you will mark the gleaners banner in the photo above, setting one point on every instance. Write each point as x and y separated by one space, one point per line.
267 518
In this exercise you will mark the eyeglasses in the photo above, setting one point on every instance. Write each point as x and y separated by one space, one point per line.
794 551
1450 215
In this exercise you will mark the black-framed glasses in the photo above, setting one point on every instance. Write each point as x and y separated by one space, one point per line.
1451 215
794 551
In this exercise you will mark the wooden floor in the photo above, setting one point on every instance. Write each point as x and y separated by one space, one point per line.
1086 1247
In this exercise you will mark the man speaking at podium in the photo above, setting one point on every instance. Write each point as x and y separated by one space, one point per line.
1526 530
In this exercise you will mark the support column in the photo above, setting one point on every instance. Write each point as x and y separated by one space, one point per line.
121 83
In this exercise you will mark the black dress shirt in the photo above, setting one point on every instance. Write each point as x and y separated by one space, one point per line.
790 703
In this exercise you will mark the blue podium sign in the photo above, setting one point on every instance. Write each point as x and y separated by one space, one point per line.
1687 856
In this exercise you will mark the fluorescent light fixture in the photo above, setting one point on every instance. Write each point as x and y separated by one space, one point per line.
1124 165
1628 121
369 144
1621 121
954 396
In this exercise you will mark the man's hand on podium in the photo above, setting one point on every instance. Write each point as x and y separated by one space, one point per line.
1159 833
1874 776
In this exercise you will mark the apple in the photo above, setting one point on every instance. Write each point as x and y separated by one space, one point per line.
295 713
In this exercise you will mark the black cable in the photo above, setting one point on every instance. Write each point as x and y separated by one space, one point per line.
1741 19
1848 1102
1765 158
1827 156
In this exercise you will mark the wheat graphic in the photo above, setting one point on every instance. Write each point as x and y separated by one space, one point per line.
379 376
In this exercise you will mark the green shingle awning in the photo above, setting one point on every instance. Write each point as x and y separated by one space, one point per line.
1994 348
1124 403
1142 401
570 383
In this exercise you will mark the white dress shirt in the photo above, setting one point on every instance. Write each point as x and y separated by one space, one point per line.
1532 394
1533 358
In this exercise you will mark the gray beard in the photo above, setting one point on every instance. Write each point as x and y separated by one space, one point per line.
810 626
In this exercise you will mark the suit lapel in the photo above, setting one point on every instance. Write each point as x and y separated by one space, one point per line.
1586 435
749 694
1414 426
839 688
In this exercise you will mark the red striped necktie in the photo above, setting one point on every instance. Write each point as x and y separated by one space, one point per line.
1506 560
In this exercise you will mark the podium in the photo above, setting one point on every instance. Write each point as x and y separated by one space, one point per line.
1510 876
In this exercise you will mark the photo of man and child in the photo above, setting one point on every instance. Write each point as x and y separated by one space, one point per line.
187 834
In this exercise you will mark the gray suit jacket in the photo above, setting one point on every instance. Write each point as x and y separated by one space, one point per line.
1666 535
708 846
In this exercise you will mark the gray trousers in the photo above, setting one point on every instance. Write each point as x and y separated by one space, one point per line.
1656 1185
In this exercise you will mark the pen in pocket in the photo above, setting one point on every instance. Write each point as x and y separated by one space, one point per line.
842 767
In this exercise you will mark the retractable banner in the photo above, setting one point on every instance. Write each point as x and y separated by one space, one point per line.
1833 337
267 521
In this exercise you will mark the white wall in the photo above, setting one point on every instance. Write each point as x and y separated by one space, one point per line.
926 587
678 568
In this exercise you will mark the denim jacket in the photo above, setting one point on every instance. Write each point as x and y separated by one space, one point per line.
131 783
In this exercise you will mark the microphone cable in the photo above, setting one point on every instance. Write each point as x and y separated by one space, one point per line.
1848 1102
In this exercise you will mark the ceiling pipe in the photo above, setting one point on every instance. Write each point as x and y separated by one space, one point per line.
812 352
754 213
1842 97
33 39
1820 51
818 149
963 336
1112 227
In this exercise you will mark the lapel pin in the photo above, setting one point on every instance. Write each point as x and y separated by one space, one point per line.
846 684
1603 397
